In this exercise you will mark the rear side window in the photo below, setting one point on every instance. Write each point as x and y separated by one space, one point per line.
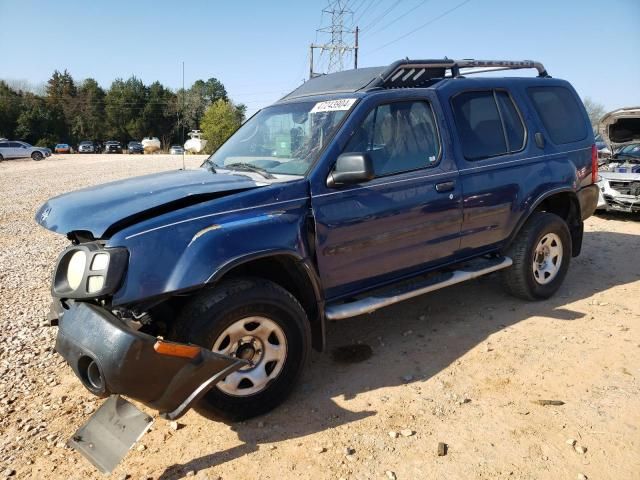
560 113
488 124
4 145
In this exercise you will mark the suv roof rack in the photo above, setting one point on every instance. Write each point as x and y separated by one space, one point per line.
405 74
417 73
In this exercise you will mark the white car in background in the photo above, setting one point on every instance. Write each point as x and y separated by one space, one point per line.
176 150
619 176
14 149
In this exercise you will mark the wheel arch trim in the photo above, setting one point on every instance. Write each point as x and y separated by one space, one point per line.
305 268
536 203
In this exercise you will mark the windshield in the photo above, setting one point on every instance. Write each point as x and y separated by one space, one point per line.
283 139
632 150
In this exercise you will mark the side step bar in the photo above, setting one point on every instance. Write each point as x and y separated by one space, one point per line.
398 294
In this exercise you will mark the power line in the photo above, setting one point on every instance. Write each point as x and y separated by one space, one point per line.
384 27
451 10
356 9
363 13
381 16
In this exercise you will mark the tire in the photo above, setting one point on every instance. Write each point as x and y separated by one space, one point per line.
1 158
541 253
37 156
215 317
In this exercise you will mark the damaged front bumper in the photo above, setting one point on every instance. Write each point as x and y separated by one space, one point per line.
612 200
621 203
111 358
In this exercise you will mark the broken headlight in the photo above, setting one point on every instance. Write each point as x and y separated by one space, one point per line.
88 271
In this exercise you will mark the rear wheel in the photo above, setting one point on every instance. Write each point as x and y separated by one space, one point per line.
37 156
258 321
1 158
541 254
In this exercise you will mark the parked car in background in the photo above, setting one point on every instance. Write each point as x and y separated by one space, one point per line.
62 148
357 190
16 149
176 150
87 146
135 147
112 146
619 176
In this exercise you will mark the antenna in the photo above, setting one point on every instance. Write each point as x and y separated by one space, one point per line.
182 123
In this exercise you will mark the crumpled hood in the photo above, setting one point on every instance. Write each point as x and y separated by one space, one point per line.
105 209
621 126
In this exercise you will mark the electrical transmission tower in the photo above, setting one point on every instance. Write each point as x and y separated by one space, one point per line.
339 47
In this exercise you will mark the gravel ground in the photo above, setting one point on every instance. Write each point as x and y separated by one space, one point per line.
464 366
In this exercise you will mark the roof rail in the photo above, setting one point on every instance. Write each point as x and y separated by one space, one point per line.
417 73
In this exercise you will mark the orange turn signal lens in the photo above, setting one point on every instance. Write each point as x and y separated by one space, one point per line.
176 349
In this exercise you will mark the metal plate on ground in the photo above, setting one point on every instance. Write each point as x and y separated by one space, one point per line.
110 432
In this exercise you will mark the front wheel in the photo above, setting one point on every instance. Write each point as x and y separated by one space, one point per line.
37 156
258 321
541 254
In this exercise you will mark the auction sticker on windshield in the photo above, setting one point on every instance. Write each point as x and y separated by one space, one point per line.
333 105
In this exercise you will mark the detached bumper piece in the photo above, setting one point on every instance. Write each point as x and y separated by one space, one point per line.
110 433
110 358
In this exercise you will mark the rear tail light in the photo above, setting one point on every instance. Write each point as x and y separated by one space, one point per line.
594 163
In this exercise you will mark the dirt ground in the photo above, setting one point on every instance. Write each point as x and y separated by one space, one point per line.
462 366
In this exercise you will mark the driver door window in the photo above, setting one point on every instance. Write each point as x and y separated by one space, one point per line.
399 137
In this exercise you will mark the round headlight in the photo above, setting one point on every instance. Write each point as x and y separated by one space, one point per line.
75 269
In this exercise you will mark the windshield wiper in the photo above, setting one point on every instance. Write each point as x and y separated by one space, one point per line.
250 168
210 165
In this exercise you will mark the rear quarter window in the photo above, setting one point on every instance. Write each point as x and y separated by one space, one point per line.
560 113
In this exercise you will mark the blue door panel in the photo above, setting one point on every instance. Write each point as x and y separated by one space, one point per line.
498 192
495 188
366 233
378 231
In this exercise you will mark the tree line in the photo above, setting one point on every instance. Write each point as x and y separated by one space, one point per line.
70 111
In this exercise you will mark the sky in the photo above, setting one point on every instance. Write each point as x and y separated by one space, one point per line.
260 49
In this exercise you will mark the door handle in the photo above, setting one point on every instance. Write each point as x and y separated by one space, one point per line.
445 187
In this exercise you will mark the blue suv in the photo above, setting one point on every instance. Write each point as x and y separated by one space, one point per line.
357 190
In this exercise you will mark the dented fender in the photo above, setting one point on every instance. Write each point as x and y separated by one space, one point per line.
184 250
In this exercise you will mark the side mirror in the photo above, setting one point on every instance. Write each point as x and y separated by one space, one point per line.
351 168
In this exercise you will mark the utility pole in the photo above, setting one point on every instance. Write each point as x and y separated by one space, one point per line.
183 92
355 50
338 48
